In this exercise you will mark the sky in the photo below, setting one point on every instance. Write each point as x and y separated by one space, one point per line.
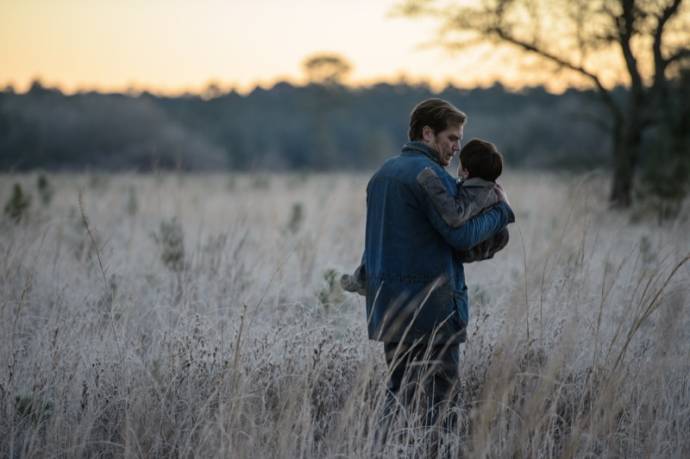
173 46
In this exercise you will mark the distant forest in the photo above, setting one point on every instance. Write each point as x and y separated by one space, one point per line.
286 127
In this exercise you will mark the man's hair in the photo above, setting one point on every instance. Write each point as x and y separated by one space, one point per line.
481 159
435 113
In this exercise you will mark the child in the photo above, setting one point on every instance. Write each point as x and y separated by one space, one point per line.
480 165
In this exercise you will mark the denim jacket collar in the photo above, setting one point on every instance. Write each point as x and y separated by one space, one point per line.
416 146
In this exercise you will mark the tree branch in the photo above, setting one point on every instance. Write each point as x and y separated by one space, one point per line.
660 84
678 55
660 63
626 30
603 91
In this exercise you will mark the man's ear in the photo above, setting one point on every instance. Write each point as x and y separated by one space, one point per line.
427 134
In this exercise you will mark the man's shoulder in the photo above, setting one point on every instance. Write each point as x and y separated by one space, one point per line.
406 168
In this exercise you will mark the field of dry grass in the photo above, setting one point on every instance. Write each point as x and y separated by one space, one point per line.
199 316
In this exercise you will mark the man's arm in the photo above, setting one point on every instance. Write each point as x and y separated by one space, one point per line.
455 211
487 249
476 229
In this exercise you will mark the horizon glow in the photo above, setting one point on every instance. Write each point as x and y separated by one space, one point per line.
175 46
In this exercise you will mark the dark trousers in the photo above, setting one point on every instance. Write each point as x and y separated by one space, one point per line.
421 377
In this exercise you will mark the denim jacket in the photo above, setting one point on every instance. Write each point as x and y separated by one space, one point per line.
415 286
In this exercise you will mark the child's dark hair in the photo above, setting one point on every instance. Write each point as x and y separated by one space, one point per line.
481 159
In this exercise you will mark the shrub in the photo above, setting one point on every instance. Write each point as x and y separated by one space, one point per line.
18 205
45 190
332 292
31 407
296 218
170 240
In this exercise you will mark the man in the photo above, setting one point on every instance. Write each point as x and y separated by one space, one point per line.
416 298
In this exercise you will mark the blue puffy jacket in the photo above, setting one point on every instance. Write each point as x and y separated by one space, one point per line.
415 282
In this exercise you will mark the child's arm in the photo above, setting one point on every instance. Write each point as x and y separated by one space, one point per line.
455 211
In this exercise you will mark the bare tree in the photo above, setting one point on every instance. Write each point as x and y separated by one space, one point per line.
647 39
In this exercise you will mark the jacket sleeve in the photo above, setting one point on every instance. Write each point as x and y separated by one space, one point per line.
455 211
473 231
487 249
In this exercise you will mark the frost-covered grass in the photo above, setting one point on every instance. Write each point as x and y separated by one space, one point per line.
214 327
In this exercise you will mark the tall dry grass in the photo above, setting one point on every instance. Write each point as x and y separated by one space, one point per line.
211 325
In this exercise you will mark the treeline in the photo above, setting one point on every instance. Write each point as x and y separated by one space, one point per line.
315 127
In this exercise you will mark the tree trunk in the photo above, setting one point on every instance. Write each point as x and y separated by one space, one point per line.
621 187
626 148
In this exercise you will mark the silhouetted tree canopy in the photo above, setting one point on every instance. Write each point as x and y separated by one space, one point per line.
326 68
286 127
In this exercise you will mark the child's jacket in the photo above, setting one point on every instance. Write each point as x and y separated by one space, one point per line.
474 196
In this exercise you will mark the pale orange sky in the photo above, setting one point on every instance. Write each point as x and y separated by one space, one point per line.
171 46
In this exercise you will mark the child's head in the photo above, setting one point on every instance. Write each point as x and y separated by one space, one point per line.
479 158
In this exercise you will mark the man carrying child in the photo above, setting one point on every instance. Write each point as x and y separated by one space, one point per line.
420 227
